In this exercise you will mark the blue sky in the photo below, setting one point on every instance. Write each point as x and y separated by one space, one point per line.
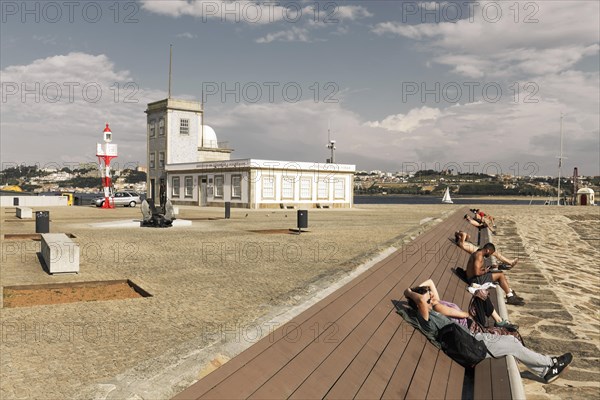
403 85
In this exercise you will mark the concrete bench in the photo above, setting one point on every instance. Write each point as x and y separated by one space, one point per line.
352 344
60 253
24 212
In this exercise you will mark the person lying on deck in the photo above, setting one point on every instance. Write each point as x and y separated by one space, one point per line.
462 240
430 321
477 224
482 217
474 319
477 273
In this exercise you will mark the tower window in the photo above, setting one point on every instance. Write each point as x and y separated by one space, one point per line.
184 126
151 128
161 127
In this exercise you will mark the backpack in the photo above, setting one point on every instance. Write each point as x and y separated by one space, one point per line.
461 346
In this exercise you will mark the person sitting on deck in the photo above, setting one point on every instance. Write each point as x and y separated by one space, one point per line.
477 273
477 224
474 320
430 321
462 240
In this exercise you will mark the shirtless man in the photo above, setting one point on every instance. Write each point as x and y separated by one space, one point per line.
477 273
462 240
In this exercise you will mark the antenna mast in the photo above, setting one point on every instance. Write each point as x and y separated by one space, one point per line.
170 61
330 145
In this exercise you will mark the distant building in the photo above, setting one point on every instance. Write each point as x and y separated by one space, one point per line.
196 169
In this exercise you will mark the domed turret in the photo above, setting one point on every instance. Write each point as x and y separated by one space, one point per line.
208 138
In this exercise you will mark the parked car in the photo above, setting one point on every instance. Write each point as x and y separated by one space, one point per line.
126 199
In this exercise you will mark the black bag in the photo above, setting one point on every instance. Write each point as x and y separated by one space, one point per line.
461 346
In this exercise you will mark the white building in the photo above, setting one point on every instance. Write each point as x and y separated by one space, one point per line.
185 155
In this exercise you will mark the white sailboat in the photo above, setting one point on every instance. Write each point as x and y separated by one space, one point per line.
446 199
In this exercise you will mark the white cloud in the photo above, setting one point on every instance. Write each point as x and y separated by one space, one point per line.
299 20
187 35
407 123
54 109
291 35
252 12
483 46
352 12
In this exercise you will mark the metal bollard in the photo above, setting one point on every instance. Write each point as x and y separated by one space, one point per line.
42 222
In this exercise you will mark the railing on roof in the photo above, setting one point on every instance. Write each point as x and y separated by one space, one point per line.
213 144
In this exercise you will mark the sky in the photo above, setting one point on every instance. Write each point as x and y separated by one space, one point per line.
400 85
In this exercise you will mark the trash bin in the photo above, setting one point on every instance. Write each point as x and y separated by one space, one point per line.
227 209
15 201
302 219
42 222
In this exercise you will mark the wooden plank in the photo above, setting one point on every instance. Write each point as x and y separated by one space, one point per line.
441 377
455 381
379 376
358 369
419 385
483 381
397 385
500 380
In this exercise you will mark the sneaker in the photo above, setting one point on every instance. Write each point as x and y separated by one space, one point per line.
506 324
517 296
560 364
504 267
515 301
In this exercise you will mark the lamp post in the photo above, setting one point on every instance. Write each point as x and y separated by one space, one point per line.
106 152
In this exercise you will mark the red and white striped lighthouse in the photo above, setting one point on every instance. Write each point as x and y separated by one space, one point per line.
106 152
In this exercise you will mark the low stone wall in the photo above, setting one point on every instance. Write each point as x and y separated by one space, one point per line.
33 201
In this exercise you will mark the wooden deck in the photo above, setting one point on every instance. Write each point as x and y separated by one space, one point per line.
353 344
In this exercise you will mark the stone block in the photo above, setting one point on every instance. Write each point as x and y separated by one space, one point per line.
24 212
60 253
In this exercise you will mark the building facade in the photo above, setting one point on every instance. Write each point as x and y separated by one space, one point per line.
196 169
252 183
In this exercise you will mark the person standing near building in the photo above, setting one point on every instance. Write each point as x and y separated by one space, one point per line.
162 195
